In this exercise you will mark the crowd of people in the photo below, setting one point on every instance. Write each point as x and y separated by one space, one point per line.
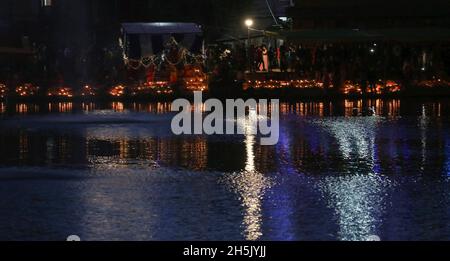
330 63
333 63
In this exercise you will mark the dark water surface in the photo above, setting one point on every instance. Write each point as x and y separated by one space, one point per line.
115 172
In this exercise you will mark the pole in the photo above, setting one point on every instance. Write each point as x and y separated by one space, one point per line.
248 51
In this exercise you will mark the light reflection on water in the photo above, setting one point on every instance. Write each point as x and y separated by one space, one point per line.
25 108
358 201
61 107
448 157
332 175
423 122
389 108
250 184
357 192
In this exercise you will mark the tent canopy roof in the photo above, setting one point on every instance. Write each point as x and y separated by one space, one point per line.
161 28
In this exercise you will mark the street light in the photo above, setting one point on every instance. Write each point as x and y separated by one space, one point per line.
249 24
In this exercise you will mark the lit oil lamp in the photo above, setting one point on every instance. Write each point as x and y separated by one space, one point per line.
63 92
26 90
3 90
117 91
87 91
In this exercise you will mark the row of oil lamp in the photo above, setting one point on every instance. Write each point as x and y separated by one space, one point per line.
380 87
157 88
349 87
277 84
390 86
193 84
149 88
30 90
435 82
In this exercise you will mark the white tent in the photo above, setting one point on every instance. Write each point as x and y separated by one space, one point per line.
145 39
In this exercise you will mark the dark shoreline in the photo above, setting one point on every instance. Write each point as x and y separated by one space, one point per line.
283 95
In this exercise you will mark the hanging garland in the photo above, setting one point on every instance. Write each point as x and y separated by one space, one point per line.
181 54
184 56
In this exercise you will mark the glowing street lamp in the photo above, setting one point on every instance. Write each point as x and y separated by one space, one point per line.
249 24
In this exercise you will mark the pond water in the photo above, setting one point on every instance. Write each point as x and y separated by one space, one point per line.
114 171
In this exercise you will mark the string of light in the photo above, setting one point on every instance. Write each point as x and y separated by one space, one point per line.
184 57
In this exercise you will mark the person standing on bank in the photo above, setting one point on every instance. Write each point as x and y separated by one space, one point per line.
265 55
